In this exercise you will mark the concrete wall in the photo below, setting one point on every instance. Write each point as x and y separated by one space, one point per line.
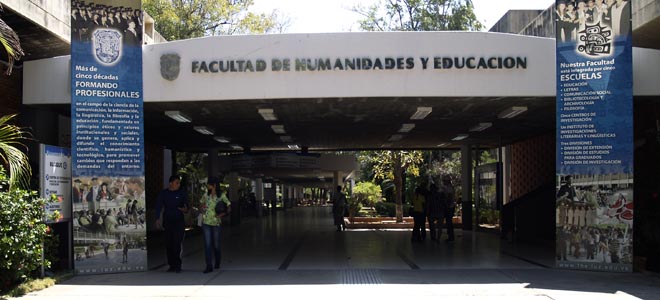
514 21
543 25
54 15
645 21
645 11
47 81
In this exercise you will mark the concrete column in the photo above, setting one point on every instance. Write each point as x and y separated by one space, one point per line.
335 180
352 185
285 196
259 194
232 178
506 174
212 166
466 185
167 166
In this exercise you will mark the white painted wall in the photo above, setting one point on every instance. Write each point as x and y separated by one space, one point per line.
534 81
48 81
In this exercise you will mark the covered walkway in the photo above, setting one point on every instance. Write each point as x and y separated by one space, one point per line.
304 238
296 254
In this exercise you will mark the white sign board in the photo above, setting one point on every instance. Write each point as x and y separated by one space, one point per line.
55 178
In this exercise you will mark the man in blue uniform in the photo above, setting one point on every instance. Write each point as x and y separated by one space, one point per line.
174 203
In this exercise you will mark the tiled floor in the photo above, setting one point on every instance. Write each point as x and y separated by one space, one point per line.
304 239
297 254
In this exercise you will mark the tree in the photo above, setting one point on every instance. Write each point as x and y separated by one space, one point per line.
184 19
392 165
419 15
11 44
365 194
11 155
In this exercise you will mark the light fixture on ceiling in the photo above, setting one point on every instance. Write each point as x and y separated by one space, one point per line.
406 127
386 145
395 138
178 116
511 112
221 139
279 129
460 137
421 112
482 126
236 147
268 114
285 138
204 130
294 147
443 145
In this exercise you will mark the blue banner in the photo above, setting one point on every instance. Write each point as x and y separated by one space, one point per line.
107 137
594 135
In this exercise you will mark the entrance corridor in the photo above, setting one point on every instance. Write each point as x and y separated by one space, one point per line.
304 238
297 254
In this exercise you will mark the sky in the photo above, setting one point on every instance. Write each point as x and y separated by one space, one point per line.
316 16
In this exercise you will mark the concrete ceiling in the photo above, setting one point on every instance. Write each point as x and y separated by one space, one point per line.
348 123
37 42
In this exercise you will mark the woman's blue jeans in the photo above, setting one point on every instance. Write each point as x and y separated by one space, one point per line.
212 244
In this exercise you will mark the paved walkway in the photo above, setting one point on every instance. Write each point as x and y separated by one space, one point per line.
297 254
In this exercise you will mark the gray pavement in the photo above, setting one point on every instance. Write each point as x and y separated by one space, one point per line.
296 254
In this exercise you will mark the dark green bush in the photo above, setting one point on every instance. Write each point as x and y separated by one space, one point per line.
22 232
388 209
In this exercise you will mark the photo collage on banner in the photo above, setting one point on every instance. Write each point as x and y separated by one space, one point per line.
594 195
108 193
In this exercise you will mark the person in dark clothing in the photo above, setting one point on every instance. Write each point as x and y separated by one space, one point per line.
434 212
174 204
449 206
338 209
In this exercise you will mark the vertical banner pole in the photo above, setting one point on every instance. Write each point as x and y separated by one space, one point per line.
594 201
107 137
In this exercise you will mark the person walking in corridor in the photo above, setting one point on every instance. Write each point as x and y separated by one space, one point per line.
434 212
174 204
449 205
214 206
338 208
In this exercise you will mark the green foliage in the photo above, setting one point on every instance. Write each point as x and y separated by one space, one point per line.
22 232
31 286
446 166
11 44
391 165
192 166
419 15
11 156
385 164
184 19
365 194
387 209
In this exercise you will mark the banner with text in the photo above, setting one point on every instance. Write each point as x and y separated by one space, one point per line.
107 137
594 202
55 178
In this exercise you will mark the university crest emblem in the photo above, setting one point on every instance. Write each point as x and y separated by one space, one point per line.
106 44
169 66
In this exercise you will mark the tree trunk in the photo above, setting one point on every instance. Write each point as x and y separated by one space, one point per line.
398 186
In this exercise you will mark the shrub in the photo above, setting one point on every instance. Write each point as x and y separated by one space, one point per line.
22 232
388 209
365 194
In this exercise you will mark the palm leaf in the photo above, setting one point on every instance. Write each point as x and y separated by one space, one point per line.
11 43
11 137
